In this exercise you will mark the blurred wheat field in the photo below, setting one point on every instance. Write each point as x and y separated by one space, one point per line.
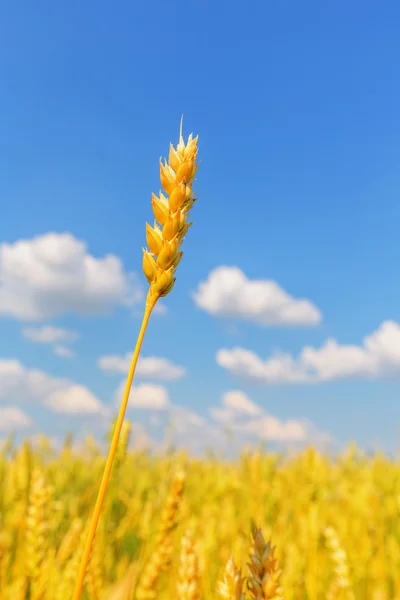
171 523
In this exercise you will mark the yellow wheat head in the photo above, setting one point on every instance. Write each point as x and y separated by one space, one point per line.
164 239
188 585
231 587
264 572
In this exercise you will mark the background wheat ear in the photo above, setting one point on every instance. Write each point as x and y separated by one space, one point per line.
159 265
231 587
37 528
188 584
264 572
160 559
341 584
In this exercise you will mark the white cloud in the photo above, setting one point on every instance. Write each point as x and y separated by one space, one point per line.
19 384
239 402
54 274
228 293
237 414
150 367
146 396
246 364
377 357
271 428
63 351
235 404
13 419
248 419
49 334
52 335
75 399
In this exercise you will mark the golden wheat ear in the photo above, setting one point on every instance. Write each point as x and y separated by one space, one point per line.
160 560
165 238
160 262
264 571
341 581
231 587
188 585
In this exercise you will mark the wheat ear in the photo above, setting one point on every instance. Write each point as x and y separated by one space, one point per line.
69 542
188 585
161 557
159 266
341 583
37 534
264 572
231 587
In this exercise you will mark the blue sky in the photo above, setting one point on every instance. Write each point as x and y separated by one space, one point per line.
297 110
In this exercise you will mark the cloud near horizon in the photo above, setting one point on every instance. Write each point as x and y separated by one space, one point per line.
377 357
237 412
244 417
13 419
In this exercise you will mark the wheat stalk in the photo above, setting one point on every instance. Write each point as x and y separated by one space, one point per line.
159 266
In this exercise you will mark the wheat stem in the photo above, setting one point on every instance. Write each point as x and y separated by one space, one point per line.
150 303
177 177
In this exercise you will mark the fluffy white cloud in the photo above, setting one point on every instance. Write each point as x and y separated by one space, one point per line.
271 428
54 274
75 399
248 419
240 403
236 415
19 384
13 419
146 396
49 334
228 293
378 356
150 367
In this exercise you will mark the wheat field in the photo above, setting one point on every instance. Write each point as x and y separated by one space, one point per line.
172 524
263 527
